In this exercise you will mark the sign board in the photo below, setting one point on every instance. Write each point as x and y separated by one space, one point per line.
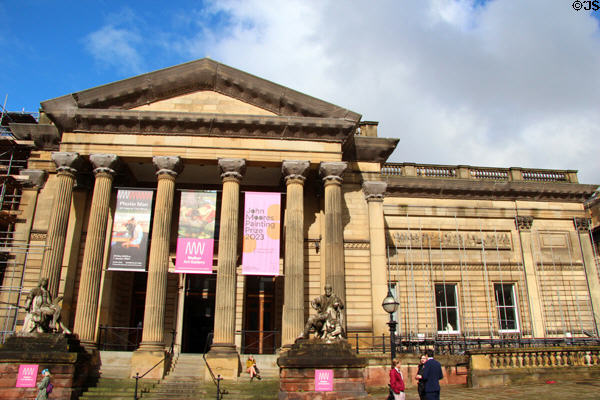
261 234
323 380
27 375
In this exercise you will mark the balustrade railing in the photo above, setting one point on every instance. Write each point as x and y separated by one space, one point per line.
543 357
478 173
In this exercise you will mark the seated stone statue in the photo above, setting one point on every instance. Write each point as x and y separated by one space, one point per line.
43 314
329 318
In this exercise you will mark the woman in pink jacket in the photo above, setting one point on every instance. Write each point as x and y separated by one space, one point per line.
396 381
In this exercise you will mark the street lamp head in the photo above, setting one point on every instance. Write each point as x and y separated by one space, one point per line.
390 304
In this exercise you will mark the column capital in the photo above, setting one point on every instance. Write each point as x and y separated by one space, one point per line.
582 224
69 162
524 223
374 190
232 168
171 165
36 177
294 170
104 163
332 171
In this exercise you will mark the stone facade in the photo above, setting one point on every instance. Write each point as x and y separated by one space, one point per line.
461 233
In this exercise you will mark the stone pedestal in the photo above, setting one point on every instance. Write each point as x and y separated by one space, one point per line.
298 365
71 367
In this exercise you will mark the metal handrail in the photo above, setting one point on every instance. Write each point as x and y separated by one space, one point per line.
169 353
107 333
216 380
266 335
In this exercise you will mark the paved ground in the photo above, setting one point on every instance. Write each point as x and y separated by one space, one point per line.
580 390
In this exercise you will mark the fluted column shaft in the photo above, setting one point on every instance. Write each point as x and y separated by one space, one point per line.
156 288
224 328
334 230
582 225
226 277
293 306
91 273
374 193
59 219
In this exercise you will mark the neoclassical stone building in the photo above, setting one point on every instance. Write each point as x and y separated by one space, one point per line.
469 252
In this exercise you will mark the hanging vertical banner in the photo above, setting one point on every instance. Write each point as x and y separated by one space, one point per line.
195 239
261 234
131 226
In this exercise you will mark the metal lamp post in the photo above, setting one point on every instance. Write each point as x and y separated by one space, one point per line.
390 305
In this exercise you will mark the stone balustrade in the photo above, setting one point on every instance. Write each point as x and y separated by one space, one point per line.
491 367
478 173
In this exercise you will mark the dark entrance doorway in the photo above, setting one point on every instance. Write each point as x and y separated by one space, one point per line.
199 312
259 335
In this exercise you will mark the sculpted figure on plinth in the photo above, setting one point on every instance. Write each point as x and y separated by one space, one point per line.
43 313
328 321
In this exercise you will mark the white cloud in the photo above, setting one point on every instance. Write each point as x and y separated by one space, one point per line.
115 47
506 83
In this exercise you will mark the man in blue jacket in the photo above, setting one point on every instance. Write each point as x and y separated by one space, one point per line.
431 375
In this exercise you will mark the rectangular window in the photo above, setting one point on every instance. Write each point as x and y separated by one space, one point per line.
446 307
507 308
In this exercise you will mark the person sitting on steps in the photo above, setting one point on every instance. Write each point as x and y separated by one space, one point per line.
252 369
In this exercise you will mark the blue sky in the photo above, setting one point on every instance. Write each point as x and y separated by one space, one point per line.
496 83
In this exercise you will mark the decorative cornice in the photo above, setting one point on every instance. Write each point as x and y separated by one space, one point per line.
170 165
523 223
44 136
201 124
411 186
582 224
371 149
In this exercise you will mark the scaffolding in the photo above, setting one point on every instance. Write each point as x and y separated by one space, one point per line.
14 251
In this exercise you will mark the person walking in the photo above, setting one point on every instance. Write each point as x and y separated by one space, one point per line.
44 386
420 382
396 381
431 375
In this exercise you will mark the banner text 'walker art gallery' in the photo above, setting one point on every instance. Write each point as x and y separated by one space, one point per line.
261 234
195 239
129 241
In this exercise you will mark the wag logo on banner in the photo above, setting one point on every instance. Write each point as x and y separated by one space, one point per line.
323 380
195 236
27 375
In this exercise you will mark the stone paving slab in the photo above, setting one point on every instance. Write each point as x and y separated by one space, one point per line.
580 390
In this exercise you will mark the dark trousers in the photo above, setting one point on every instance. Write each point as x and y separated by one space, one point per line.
432 395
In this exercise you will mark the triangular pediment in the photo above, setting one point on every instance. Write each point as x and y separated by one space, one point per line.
205 101
195 77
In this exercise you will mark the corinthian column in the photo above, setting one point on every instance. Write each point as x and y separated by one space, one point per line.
67 165
156 291
582 225
331 172
232 171
374 192
93 255
293 301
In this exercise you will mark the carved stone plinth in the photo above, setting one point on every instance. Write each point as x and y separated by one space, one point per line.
298 365
71 367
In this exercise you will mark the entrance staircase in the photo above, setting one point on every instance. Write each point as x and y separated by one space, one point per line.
185 381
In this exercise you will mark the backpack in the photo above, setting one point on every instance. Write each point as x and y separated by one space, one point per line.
49 388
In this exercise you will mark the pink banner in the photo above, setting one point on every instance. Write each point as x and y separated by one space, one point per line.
27 375
261 234
323 380
195 241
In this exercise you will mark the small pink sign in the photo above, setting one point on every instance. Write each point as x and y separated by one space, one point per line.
27 375
323 380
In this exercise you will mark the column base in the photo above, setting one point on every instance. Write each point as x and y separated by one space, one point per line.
143 360
223 360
